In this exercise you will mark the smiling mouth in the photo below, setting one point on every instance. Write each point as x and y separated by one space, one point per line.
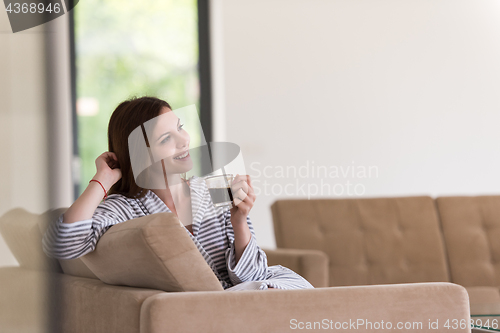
183 156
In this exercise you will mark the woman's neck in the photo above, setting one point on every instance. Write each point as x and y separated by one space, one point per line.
173 193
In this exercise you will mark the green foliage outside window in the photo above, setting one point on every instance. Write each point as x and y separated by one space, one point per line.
131 48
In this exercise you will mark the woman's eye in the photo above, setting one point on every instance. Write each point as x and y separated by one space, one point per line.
165 140
180 127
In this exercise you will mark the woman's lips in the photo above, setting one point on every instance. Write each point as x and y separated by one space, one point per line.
182 156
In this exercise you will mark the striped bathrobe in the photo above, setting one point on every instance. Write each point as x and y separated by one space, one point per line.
212 233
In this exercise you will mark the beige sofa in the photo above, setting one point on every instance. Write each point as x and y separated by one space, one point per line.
401 240
72 299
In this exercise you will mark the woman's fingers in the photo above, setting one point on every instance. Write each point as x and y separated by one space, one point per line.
108 156
240 185
251 192
244 206
108 162
242 189
110 159
244 182
113 164
243 195
239 188
239 196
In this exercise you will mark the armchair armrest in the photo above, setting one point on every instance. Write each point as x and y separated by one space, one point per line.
359 308
312 265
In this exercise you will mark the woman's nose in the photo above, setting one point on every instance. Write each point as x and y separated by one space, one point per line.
183 141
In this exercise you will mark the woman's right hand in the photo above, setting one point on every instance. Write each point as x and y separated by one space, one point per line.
108 169
108 173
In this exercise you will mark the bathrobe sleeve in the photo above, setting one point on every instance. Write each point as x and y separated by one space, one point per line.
73 240
252 265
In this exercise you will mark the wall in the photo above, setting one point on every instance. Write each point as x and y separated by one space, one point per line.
35 148
23 132
35 123
405 93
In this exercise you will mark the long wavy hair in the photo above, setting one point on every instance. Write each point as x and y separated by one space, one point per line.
128 116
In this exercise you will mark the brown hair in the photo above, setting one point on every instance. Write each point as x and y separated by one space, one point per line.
128 116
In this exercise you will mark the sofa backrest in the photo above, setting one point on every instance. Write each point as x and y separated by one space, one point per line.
368 241
471 229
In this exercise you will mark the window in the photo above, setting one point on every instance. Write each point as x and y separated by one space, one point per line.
125 49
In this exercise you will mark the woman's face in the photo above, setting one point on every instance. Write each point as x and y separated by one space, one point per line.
170 142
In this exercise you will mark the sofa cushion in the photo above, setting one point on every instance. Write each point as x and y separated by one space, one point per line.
368 241
471 230
154 252
20 230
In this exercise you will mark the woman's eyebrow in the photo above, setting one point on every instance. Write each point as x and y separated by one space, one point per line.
178 121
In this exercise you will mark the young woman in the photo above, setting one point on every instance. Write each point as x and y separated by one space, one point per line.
224 237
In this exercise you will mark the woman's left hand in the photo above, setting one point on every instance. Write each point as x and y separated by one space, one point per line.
243 198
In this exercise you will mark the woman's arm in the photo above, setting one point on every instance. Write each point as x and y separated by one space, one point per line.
73 240
242 237
76 231
252 263
244 198
107 174
244 259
